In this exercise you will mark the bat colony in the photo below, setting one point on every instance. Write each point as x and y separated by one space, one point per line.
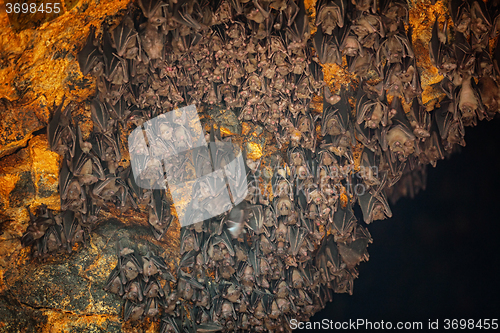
278 255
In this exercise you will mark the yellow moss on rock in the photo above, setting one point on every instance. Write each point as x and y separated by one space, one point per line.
254 150
337 76
40 65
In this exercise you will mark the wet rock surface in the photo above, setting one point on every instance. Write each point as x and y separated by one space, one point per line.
67 290
64 292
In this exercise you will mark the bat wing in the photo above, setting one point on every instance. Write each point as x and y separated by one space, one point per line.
90 55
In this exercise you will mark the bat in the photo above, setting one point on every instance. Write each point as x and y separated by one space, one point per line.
89 58
133 311
329 15
372 112
134 291
355 251
399 138
469 102
150 8
344 221
125 38
60 130
374 206
183 14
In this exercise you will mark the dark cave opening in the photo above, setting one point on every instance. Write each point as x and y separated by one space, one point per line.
437 257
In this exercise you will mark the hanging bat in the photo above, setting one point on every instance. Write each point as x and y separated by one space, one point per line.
296 237
354 252
394 11
360 64
113 66
464 54
37 226
366 26
90 58
72 230
171 324
398 138
372 112
460 14
60 131
328 260
394 49
100 116
365 5
490 96
432 148
184 12
159 216
327 48
151 8
469 102
438 40
134 291
335 119
133 311
151 307
330 14
344 221
374 207
125 39
350 45
114 284
480 23
298 30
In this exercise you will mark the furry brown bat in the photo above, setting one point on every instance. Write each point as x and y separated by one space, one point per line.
330 14
352 252
419 119
335 118
344 221
159 216
490 95
115 68
469 102
372 112
374 207
90 58
60 131
394 49
399 138
125 39
480 23
432 148
460 13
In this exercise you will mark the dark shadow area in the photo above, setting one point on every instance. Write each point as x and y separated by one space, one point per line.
438 257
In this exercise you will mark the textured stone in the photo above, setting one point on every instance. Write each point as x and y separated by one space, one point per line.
67 291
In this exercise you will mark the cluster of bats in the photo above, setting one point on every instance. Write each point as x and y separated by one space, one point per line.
280 253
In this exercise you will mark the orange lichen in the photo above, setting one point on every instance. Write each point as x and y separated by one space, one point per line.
254 150
337 76
343 199
65 321
356 154
310 6
245 128
422 17
226 132
37 55
40 65
7 184
316 105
